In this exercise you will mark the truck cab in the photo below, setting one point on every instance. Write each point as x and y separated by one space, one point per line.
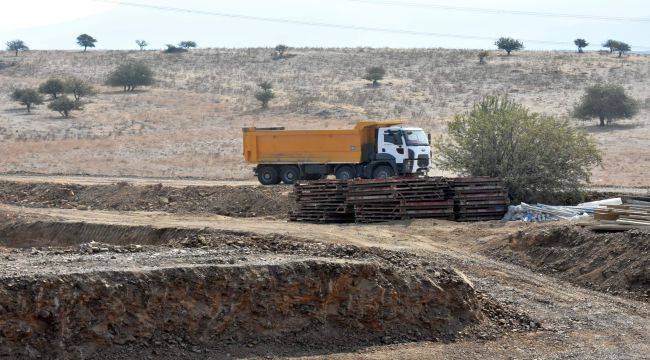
406 149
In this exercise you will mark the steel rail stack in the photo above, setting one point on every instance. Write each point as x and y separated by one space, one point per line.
321 201
400 198
479 198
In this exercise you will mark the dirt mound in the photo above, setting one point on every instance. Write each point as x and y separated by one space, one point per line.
90 290
239 201
618 263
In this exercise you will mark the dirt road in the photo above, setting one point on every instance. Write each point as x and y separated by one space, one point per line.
175 182
577 322
107 180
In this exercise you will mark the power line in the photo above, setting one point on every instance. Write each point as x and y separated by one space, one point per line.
502 11
323 24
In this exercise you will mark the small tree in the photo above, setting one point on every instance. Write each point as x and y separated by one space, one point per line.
174 49
482 55
540 158
86 41
64 105
52 87
142 44
187 44
509 44
605 102
130 75
16 46
374 74
281 50
27 97
581 43
265 94
621 47
610 44
78 88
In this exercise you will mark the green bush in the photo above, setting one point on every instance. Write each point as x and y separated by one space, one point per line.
540 158
265 94
605 102
64 105
52 87
509 44
171 49
78 88
16 46
581 43
374 74
27 97
131 75
86 41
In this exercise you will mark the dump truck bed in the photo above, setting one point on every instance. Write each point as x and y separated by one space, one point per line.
279 146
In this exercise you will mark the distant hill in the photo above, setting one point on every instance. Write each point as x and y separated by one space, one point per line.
189 122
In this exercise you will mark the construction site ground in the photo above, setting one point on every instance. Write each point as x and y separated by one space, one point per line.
550 290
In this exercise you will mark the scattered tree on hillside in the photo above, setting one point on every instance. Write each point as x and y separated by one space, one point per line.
281 50
621 47
64 105
16 46
265 94
187 44
86 41
174 49
482 55
509 44
605 102
27 97
78 88
610 44
374 74
131 75
52 87
142 44
581 43
539 157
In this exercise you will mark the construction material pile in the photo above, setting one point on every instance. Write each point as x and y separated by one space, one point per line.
321 201
479 198
378 200
633 213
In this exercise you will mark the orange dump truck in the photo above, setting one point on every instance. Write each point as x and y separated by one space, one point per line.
372 149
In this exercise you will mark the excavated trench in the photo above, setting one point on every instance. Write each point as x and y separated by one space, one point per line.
76 290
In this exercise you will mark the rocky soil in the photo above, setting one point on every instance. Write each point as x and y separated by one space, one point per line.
239 201
617 263
210 291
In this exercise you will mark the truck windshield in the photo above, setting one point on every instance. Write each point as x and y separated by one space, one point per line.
416 138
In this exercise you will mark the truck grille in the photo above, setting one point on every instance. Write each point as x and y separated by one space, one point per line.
423 162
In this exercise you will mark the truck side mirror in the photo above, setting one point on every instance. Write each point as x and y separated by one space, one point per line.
429 138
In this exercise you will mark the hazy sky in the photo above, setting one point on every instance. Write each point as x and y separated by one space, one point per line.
49 24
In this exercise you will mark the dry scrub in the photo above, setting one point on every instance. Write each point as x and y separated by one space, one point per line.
189 123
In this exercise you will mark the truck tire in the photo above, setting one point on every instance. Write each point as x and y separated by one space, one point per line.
289 174
268 175
345 173
382 172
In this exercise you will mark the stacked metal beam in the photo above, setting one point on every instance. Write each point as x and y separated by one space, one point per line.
378 200
321 201
479 198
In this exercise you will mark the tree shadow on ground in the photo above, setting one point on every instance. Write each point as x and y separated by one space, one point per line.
596 129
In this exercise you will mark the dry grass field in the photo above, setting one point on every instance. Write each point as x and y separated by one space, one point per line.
188 123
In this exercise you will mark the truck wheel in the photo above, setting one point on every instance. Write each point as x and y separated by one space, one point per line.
289 174
268 175
383 172
345 173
